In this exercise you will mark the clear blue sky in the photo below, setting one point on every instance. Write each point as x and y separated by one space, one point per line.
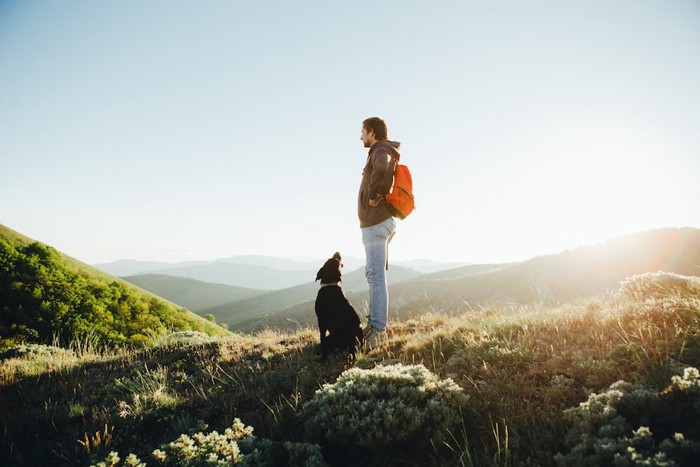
173 130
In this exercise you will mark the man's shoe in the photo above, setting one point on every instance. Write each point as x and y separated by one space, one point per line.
376 338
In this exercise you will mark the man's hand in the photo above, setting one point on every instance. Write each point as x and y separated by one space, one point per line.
373 203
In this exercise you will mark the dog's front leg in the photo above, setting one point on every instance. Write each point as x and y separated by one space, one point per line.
323 329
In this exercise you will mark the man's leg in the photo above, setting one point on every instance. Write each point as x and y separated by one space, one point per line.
376 241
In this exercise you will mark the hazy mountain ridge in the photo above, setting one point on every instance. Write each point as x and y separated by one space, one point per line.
254 271
193 294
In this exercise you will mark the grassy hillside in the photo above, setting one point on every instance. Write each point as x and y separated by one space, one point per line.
610 381
193 294
46 296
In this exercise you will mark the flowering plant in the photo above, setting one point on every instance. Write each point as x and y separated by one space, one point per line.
393 408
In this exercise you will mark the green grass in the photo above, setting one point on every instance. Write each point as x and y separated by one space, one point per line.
521 369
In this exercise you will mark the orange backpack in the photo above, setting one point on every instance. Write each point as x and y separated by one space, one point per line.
400 198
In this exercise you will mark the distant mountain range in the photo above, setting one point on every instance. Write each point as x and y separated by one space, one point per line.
254 272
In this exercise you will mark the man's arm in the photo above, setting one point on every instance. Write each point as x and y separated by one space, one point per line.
381 163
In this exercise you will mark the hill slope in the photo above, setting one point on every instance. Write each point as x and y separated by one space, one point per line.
193 294
46 295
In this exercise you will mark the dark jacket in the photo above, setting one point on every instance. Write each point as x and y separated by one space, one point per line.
377 179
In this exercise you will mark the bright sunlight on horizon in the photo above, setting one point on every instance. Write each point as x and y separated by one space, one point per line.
203 130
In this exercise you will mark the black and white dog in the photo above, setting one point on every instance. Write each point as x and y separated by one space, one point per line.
337 320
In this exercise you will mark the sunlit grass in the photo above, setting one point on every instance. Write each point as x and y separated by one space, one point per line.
520 366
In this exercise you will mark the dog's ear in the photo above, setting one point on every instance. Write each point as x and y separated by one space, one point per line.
319 274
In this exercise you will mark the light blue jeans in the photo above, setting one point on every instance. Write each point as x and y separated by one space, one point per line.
376 240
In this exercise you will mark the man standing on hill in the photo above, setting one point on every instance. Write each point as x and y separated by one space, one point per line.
377 223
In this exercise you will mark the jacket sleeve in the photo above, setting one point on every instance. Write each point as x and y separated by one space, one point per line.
381 164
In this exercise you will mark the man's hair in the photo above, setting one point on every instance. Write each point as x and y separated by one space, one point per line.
378 126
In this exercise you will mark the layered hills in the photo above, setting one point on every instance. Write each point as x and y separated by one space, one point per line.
46 294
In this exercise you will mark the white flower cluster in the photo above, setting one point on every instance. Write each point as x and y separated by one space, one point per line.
235 446
690 381
113 460
212 449
391 407
603 427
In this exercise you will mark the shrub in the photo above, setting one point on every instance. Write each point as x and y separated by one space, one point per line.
186 338
113 459
235 446
631 425
200 449
388 411
146 391
31 351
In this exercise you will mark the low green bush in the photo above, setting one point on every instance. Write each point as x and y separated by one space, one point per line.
186 339
235 446
394 410
632 425
30 351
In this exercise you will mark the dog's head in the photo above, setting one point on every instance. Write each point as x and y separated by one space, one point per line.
330 272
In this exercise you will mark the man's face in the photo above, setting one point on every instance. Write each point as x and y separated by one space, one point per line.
367 138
